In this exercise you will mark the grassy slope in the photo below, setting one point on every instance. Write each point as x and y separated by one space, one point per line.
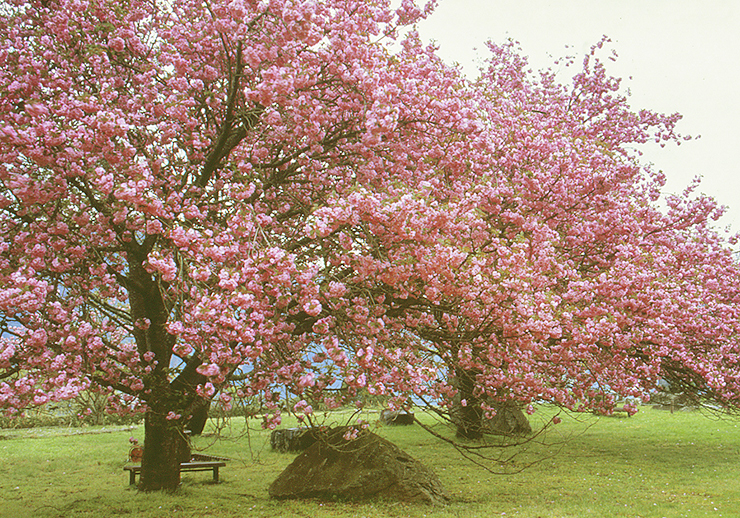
655 464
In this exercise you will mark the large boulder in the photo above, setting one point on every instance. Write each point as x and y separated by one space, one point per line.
673 401
396 417
357 469
293 439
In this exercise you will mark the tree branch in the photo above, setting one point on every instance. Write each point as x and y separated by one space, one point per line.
229 137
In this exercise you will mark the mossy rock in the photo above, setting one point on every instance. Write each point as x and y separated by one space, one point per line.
363 468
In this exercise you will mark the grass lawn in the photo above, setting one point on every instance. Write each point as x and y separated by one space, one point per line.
655 464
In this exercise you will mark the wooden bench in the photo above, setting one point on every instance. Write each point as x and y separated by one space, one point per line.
185 466
616 410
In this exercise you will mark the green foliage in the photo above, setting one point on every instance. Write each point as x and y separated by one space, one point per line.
654 464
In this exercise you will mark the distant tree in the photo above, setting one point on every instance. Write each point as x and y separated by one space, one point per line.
264 200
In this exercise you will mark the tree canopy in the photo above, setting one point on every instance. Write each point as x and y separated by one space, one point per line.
302 197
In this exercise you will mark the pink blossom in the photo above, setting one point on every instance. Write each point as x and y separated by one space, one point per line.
209 370
339 208
271 421
302 407
351 434
117 44
307 380
37 110
208 390
312 307
153 227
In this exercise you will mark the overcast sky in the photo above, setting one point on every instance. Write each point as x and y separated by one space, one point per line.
682 56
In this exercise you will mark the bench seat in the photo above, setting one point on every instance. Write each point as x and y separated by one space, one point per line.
185 466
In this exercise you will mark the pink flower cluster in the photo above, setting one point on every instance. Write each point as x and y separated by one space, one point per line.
290 194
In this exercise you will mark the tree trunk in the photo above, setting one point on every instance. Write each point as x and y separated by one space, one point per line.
509 420
468 414
165 446
469 422
197 423
469 418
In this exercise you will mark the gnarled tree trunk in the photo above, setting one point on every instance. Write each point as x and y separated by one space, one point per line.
469 418
165 446
467 413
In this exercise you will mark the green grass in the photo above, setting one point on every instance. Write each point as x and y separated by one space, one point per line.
655 464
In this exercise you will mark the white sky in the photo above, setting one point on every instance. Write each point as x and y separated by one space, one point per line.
682 56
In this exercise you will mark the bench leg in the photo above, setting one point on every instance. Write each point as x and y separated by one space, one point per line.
131 478
215 474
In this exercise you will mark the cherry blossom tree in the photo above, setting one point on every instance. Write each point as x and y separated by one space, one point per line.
293 200
539 265
161 163
562 280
